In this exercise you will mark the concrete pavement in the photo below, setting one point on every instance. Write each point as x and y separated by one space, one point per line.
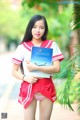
15 112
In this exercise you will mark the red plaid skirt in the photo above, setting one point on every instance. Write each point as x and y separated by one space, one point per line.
45 86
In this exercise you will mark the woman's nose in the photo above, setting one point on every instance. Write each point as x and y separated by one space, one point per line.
38 29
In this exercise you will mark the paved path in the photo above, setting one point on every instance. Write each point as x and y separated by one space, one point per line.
9 91
15 112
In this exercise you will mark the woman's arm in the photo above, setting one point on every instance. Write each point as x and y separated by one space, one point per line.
50 69
46 69
17 74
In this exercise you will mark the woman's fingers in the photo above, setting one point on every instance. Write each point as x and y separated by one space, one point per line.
34 79
27 61
31 66
31 79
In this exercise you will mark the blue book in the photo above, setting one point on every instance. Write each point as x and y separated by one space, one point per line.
41 57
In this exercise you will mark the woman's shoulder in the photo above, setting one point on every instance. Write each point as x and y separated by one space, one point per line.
51 41
20 47
27 45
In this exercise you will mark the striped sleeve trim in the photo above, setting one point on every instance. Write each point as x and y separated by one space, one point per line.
59 57
16 61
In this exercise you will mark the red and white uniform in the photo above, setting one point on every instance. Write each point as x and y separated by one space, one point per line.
44 85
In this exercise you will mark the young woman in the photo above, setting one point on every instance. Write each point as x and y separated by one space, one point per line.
34 88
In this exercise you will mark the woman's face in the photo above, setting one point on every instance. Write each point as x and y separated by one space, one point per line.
38 30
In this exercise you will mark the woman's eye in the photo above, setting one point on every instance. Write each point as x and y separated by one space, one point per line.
38 27
34 26
42 27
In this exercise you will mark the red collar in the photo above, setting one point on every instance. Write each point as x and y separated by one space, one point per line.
45 44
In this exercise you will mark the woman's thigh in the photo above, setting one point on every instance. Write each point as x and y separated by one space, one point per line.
29 112
46 107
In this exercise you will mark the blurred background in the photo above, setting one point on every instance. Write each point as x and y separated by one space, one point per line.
63 19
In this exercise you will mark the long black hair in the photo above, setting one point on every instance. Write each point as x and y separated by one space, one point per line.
28 35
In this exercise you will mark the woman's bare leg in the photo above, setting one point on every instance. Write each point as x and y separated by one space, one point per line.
29 112
45 109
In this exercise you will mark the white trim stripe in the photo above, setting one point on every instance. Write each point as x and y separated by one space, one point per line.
20 99
48 44
53 98
27 45
28 94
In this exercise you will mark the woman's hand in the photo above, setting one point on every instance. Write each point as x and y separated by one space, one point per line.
31 79
31 66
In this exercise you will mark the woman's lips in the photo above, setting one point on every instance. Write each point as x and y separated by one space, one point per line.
37 34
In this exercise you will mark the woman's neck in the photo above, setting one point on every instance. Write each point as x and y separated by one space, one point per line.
36 42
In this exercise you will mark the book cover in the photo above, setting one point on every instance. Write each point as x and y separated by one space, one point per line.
41 57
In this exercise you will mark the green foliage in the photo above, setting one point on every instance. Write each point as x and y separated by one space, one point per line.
70 90
59 27
76 15
31 3
13 22
62 74
65 92
78 95
76 26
